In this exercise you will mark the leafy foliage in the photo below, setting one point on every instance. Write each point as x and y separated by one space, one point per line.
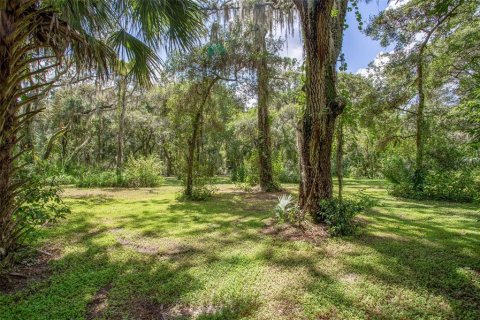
339 214
458 186
41 203
203 190
100 179
143 172
450 174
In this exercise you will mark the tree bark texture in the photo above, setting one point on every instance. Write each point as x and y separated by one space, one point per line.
420 125
264 144
8 136
322 36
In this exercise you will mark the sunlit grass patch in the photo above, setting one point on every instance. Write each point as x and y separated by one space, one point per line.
127 253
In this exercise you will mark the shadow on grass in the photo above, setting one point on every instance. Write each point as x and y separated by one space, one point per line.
411 252
162 284
91 200
421 253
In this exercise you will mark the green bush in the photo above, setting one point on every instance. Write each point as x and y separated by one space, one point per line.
457 183
101 179
245 187
199 193
288 176
202 192
457 186
61 175
461 186
139 173
38 202
65 179
252 169
143 172
238 173
339 215
397 170
285 171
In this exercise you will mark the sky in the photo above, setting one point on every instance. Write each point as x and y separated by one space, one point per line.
359 49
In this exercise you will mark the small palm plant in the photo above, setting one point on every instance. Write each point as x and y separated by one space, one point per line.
285 210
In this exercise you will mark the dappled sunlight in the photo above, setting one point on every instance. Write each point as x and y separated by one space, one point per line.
238 160
131 251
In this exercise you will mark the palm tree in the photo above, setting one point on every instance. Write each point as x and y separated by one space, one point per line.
43 40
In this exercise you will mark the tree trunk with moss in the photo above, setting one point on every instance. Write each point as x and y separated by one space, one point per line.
420 124
264 144
322 34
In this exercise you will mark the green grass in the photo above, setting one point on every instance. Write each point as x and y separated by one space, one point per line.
210 260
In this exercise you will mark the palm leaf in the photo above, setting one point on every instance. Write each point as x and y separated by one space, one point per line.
178 23
143 61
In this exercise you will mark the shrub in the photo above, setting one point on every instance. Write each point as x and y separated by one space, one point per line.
289 176
39 202
143 172
285 171
246 187
397 171
252 169
102 179
459 186
238 173
199 193
65 179
203 192
339 215
458 183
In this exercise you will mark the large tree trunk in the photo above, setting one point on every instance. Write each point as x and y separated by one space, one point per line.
419 169
264 135
121 110
322 36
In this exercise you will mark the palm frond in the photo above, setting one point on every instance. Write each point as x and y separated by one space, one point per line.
136 29
143 61
174 23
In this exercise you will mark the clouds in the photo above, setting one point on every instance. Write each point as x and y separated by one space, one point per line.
294 50
358 48
382 59
394 4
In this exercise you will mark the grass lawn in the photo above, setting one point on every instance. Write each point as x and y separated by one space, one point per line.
140 254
